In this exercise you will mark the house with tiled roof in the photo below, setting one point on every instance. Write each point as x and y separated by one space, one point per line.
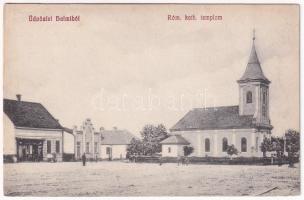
101 144
211 130
31 133
173 146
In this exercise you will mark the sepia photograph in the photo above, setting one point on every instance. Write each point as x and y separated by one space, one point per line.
145 100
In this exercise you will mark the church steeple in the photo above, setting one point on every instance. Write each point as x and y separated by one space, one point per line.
254 91
253 70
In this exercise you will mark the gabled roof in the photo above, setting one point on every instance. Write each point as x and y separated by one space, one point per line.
253 70
226 117
68 130
175 139
112 137
29 115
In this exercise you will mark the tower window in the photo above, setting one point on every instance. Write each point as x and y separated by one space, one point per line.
264 97
244 144
207 145
264 111
225 144
257 144
249 97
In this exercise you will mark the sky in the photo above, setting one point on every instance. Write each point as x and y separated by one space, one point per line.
128 65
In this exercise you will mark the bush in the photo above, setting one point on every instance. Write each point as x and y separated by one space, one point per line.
231 150
188 150
213 160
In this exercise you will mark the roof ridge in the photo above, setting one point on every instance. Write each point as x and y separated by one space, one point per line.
22 101
29 114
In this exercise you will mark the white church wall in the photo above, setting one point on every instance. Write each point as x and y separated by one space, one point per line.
234 136
248 108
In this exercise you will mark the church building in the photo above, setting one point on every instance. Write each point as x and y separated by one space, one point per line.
210 130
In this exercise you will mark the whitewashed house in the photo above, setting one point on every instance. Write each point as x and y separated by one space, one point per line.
31 133
173 146
102 144
210 130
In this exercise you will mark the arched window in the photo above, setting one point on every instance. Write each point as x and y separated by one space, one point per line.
244 144
225 144
249 97
207 145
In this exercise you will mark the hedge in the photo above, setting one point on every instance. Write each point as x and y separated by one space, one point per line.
214 160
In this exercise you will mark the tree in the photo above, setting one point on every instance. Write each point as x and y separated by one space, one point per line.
231 150
152 135
266 145
292 145
135 147
188 150
278 146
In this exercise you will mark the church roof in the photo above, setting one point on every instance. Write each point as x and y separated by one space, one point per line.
29 115
112 137
175 139
253 70
226 117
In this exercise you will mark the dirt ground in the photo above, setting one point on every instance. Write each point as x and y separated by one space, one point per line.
143 179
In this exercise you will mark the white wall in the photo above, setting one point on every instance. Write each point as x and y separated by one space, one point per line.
118 151
172 153
197 140
175 150
68 143
9 142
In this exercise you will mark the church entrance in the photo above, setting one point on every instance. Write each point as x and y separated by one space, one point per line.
29 150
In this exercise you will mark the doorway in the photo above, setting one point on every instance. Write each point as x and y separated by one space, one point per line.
29 150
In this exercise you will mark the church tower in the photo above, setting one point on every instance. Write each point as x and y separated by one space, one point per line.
254 91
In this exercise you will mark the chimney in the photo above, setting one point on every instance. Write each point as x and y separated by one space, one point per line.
101 129
18 97
115 128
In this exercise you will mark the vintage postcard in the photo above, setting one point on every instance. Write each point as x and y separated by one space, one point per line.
151 100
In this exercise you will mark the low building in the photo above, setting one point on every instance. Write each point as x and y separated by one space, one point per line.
31 133
102 144
173 146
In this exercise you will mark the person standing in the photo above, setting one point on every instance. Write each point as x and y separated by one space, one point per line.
83 159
